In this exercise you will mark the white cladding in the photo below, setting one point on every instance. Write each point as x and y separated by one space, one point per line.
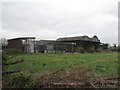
29 46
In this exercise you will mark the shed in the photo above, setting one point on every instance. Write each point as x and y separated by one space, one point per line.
24 44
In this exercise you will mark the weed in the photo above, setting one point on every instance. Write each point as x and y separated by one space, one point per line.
18 81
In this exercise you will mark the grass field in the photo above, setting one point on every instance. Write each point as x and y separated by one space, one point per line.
103 63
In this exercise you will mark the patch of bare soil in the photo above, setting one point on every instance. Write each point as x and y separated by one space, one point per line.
65 78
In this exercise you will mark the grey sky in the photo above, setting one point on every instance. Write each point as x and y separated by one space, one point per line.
51 19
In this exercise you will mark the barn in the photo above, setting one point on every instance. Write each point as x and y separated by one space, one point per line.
68 44
83 42
24 44
53 46
61 45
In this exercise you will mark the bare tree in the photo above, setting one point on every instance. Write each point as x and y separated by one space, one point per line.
115 47
3 41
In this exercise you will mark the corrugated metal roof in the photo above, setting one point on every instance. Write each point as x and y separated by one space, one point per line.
82 38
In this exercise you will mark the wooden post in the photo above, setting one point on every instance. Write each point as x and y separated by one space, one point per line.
26 46
34 45
55 48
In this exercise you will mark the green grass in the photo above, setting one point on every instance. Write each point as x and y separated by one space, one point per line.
103 63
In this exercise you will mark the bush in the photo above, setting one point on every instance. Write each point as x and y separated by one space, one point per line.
82 50
12 51
4 58
18 81
104 46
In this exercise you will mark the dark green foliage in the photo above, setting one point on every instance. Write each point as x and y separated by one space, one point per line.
104 46
82 50
18 81
4 58
100 68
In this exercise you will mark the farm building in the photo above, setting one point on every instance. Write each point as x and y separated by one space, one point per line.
61 45
24 44
68 44
52 46
83 42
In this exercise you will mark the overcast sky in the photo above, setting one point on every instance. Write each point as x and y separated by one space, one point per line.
51 19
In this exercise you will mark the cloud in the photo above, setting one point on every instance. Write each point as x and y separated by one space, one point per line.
51 19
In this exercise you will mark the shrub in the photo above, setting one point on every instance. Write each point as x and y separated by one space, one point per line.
18 81
4 58
82 50
104 46
12 51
